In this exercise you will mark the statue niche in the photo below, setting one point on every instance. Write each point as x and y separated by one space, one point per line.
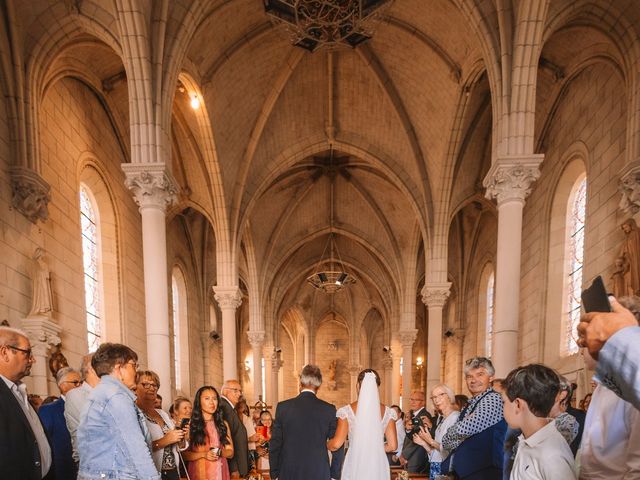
630 253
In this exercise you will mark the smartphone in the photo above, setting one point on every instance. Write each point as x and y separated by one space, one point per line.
184 422
595 298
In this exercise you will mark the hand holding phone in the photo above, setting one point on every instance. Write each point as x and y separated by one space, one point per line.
595 298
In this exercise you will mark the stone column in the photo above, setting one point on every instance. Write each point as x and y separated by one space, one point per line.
387 372
154 190
31 194
407 338
229 299
276 364
509 181
396 379
43 334
434 296
256 339
629 187
205 341
354 370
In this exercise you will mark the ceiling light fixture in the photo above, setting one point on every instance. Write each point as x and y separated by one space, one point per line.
314 24
336 277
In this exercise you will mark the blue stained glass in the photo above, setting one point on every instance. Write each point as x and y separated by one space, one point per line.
90 266
490 308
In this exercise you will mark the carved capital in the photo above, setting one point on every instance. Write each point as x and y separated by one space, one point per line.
354 370
629 187
256 339
31 194
387 360
407 337
510 178
42 332
436 294
276 361
151 184
228 297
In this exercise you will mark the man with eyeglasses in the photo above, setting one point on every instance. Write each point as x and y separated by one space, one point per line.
113 438
52 417
230 395
24 450
414 458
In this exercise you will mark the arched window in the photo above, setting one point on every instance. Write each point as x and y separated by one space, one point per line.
91 265
574 258
490 293
486 300
179 320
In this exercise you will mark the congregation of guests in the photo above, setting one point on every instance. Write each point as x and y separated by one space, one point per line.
108 420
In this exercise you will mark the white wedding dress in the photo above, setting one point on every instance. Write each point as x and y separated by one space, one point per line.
366 458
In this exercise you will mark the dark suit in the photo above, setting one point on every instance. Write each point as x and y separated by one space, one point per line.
55 426
240 460
580 416
19 453
298 446
416 455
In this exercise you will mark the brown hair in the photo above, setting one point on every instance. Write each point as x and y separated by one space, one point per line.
362 374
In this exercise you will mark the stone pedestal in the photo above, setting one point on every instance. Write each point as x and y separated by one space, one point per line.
43 334
31 194
509 181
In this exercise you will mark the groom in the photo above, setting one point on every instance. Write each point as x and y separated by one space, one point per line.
298 445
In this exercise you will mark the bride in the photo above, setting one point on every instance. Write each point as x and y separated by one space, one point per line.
368 422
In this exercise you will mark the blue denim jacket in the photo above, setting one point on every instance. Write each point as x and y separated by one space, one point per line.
111 435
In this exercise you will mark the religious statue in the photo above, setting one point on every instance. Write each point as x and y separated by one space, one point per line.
331 383
57 360
41 299
631 253
621 278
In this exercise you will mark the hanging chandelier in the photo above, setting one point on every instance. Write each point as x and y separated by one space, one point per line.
336 277
314 24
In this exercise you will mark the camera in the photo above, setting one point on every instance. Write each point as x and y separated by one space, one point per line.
416 423
183 423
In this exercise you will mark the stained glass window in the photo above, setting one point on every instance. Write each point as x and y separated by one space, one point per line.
175 295
490 301
90 254
576 212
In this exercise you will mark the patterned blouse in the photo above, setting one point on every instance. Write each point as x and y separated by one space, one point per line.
482 412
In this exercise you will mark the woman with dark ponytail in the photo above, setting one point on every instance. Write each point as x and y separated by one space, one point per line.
210 438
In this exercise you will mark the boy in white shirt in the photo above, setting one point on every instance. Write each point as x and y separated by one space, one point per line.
543 454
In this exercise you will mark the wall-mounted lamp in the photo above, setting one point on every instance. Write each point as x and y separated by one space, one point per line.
195 101
247 365
419 362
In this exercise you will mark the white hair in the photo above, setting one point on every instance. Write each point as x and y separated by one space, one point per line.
10 335
62 373
311 376
447 390
479 362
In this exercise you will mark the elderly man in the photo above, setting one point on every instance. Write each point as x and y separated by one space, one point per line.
239 463
414 458
76 400
52 417
24 449
476 439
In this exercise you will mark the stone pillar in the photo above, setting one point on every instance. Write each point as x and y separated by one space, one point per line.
509 181
205 341
434 296
387 372
256 339
31 194
407 338
154 190
276 364
229 299
43 334
396 379
354 370
629 187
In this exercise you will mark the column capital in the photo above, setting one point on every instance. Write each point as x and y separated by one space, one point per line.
31 194
151 184
256 338
510 178
227 297
276 361
629 187
407 337
354 370
43 333
387 360
435 294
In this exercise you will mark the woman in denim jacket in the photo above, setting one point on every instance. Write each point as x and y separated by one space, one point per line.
113 440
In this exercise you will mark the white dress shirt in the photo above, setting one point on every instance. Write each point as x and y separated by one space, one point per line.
545 455
19 391
611 440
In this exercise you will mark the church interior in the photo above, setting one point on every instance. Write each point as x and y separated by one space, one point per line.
192 179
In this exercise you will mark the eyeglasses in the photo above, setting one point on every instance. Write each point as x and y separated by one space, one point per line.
416 399
77 383
149 385
239 390
136 365
434 397
27 351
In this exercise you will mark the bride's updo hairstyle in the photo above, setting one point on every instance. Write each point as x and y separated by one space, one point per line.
362 374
